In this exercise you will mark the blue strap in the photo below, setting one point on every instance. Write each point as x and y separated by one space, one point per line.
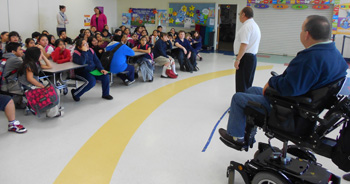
212 133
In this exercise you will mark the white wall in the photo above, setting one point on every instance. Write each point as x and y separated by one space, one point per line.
4 26
27 16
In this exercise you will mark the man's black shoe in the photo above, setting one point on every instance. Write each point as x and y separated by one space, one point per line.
223 133
108 97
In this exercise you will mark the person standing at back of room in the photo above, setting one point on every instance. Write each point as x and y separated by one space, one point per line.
62 20
98 20
246 47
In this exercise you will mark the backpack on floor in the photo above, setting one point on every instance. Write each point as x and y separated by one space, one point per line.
188 65
171 74
341 152
42 99
106 58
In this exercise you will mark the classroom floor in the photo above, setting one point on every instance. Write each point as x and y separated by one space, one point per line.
150 133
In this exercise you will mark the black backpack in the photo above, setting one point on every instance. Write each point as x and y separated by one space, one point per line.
341 152
107 57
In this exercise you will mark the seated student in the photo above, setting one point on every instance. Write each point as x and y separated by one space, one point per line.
160 56
172 30
185 54
14 37
14 61
118 32
29 76
85 55
52 40
3 40
154 37
144 33
146 60
46 48
138 31
188 37
127 32
60 54
81 35
7 105
107 27
93 43
102 43
65 38
106 34
134 40
160 29
93 30
122 28
119 61
87 34
35 36
29 42
318 65
171 38
197 43
45 32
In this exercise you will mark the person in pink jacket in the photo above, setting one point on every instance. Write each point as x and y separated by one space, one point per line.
98 20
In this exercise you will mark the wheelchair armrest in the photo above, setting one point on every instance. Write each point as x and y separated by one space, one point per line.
273 94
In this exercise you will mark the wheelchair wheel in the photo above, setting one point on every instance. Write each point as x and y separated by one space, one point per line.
268 178
231 177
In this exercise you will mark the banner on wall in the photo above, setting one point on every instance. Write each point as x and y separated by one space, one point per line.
126 19
199 13
341 10
140 17
343 23
87 20
162 17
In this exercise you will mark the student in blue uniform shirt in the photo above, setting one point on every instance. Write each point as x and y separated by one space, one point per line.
185 54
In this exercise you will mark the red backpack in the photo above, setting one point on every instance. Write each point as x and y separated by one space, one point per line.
171 74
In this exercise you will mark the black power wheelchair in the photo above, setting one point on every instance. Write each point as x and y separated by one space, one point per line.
301 121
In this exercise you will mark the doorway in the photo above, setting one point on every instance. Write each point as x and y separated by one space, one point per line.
227 27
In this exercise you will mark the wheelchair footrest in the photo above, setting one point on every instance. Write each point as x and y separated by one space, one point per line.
234 146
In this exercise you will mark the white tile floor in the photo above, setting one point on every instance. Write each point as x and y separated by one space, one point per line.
165 149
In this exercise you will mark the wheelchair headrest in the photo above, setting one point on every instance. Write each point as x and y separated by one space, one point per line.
315 99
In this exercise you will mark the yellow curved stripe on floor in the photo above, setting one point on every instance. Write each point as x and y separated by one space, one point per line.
96 161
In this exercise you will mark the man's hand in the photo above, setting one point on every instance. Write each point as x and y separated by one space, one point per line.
237 64
265 87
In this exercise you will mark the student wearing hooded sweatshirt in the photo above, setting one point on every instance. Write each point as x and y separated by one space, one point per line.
119 61
85 55
14 61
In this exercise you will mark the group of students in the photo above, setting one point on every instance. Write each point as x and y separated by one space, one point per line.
24 62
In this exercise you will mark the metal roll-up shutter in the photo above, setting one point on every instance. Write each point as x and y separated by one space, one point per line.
280 29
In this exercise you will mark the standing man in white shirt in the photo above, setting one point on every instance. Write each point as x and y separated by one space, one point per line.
62 20
245 48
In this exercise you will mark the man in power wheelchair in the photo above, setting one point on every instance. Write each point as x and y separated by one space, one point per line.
289 108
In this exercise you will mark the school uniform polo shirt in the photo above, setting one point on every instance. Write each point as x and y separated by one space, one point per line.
249 34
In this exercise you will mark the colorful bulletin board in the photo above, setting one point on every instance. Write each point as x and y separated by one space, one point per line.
140 17
199 13
163 17
126 19
341 10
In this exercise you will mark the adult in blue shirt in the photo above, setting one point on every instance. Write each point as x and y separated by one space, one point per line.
119 62
186 55
318 65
